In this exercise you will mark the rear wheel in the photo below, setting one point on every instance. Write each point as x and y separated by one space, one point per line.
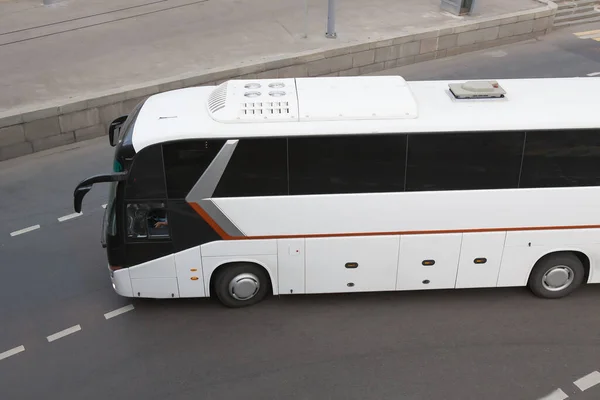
556 275
242 285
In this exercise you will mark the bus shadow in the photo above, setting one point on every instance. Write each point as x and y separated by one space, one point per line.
507 297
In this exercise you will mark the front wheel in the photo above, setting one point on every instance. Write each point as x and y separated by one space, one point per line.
241 285
556 275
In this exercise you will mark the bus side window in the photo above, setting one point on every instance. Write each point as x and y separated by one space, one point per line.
147 221
158 224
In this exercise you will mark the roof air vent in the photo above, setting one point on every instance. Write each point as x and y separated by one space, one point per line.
217 99
258 100
477 90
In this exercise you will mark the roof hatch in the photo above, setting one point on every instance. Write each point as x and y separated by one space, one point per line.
355 98
477 90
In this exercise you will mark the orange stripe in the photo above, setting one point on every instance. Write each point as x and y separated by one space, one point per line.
432 232
211 222
226 236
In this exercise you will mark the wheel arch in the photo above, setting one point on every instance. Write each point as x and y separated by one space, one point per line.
228 263
580 254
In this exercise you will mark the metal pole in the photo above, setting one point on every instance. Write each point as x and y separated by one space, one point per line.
305 18
331 20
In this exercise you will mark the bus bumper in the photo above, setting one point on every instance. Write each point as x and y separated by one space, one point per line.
121 282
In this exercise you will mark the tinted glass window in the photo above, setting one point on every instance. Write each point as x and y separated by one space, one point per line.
147 221
185 162
561 159
146 179
258 167
464 161
348 164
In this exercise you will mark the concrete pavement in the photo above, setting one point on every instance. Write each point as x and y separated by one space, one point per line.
67 70
492 344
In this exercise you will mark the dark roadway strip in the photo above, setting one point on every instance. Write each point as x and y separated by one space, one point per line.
38 189
481 344
469 344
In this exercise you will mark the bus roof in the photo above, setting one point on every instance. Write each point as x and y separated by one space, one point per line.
365 104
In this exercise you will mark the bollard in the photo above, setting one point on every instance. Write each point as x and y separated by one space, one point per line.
331 20
305 18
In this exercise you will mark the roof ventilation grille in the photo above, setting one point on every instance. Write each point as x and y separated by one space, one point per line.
217 98
255 100
477 90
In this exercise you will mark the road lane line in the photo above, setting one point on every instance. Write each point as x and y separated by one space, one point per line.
67 217
592 36
593 73
25 230
104 205
63 333
586 382
558 394
587 33
11 352
118 311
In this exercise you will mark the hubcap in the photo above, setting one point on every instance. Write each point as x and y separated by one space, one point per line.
244 286
558 278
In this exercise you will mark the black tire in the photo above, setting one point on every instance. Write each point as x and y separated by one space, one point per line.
571 264
250 273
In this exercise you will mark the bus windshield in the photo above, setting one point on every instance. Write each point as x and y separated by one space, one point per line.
110 207
123 153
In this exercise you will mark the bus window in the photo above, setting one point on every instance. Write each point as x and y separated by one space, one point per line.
347 164
563 158
146 179
185 162
147 221
258 167
464 161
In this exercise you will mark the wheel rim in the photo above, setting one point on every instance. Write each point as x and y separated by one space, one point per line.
558 278
244 286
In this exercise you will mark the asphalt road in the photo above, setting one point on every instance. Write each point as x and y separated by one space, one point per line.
470 344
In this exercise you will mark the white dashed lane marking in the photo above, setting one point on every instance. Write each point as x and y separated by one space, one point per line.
64 333
60 219
25 230
67 217
118 311
558 394
11 352
588 381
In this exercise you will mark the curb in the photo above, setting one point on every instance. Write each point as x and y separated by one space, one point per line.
29 131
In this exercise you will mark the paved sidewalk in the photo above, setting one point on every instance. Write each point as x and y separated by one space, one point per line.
77 48
67 70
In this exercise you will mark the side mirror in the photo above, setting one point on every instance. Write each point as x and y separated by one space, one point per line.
86 185
79 194
115 127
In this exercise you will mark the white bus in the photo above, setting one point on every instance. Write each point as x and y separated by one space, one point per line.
355 184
